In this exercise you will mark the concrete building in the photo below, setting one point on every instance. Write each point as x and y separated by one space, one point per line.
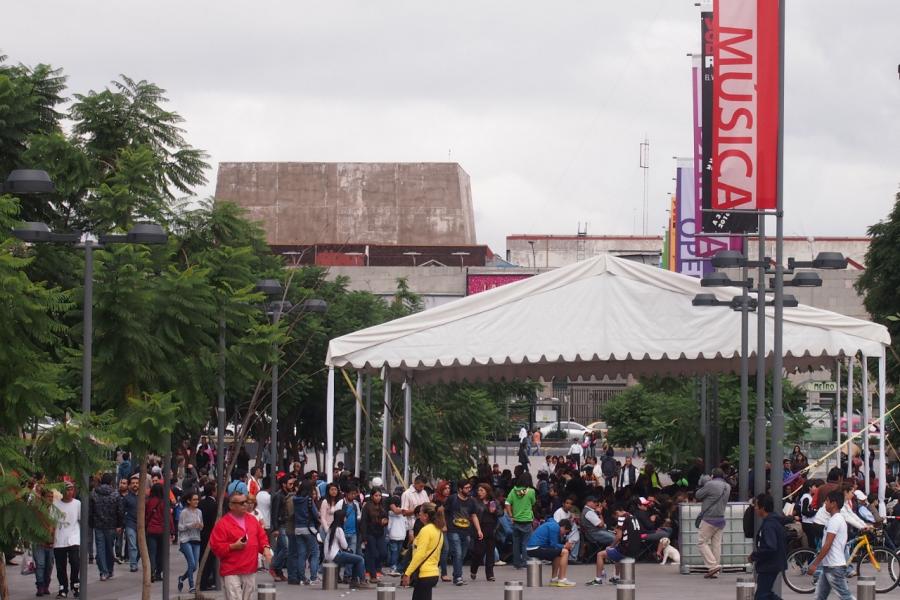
362 203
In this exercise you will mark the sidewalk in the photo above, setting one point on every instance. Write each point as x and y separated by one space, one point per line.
653 582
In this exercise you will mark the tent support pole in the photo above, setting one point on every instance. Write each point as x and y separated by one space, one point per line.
867 416
386 430
367 461
329 427
837 409
357 432
882 458
744 425
407 429
850 417
704 425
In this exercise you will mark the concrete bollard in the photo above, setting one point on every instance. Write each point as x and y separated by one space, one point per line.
329 576
626 569
265 591
533 573
512 590
865 588
625 590
385 591
745 588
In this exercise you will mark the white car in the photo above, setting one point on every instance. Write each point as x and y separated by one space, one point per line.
572 430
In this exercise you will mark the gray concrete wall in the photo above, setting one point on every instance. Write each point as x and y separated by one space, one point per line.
337 203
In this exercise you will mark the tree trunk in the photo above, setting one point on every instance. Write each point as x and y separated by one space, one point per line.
4 587
142 531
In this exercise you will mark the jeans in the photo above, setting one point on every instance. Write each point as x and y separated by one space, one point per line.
376 553
393 558
291 558
351 561
459 545
61 555
445 554
603 537
307 549
279 550
131 545
119 547
764 583
155 548
833 578
520 534
353 548
191 551
43 565
106 540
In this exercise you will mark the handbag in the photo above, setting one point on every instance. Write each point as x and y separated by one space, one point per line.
415 574
699 518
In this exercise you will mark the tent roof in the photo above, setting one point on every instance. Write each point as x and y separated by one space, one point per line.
605 316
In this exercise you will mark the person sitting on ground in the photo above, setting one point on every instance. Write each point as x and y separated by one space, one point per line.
627 544
546 543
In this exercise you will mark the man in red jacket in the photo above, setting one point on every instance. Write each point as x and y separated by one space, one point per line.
237 539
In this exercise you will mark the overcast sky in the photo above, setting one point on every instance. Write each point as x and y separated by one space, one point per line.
543 104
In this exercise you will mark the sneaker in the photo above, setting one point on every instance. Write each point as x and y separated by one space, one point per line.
595 581
499 563
359 585
133 569
614 580
564 583
103 577
62 593
74 590
315 581
554 579
459 582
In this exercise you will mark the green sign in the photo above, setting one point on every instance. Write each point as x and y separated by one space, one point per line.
820 386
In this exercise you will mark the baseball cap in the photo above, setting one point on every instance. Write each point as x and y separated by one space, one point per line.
860 495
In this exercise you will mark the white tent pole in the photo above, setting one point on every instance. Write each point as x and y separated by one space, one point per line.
882 431
407 429
837 407
850 417
329 427
356 439
386 429
867 414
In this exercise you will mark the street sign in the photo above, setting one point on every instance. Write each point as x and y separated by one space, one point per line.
820 386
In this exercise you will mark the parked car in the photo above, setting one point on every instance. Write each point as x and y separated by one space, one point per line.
570 429
599 426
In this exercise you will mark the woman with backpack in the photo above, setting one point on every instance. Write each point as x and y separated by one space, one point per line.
306 520
338 551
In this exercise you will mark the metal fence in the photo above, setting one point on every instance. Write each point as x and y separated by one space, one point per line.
735 547
583 401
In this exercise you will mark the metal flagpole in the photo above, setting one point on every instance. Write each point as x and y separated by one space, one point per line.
759 425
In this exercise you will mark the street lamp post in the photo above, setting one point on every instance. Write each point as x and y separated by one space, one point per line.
276 307
31 181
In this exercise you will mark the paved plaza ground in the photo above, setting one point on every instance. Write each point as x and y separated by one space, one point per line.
653 581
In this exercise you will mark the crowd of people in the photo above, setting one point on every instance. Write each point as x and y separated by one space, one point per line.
589 509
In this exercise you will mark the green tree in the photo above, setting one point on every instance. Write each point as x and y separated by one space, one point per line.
879 283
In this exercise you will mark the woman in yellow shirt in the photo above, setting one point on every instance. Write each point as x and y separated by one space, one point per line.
426 552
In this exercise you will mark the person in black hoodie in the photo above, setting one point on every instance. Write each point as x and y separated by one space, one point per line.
209 508
770 548
107 517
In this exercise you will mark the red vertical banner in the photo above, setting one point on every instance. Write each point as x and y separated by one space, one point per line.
744 112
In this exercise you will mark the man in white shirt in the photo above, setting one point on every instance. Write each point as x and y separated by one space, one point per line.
411 499
575 451
67 540
264 506
565 512
831 556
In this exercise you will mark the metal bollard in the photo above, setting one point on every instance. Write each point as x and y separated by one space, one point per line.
625 590
512 590
385 591
265 591
626 569
745 588
329 576
533 573
865 588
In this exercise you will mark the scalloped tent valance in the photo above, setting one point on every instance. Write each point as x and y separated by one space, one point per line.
605 316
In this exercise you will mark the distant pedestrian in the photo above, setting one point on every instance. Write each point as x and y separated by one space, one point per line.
107 518
237 540
190 528
770 550
67 541
714 496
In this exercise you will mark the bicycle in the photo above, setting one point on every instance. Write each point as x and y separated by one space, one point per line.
875 561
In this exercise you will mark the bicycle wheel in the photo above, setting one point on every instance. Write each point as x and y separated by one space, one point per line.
796 575
883 569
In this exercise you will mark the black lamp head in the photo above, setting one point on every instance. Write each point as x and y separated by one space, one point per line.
315 305
269 287
147 233
705 300
28 181
728 259
33 232
806 279
716 279
830 260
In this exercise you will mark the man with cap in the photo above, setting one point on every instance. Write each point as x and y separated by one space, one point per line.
592 525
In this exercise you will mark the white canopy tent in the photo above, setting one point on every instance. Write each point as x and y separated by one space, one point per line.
605 316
